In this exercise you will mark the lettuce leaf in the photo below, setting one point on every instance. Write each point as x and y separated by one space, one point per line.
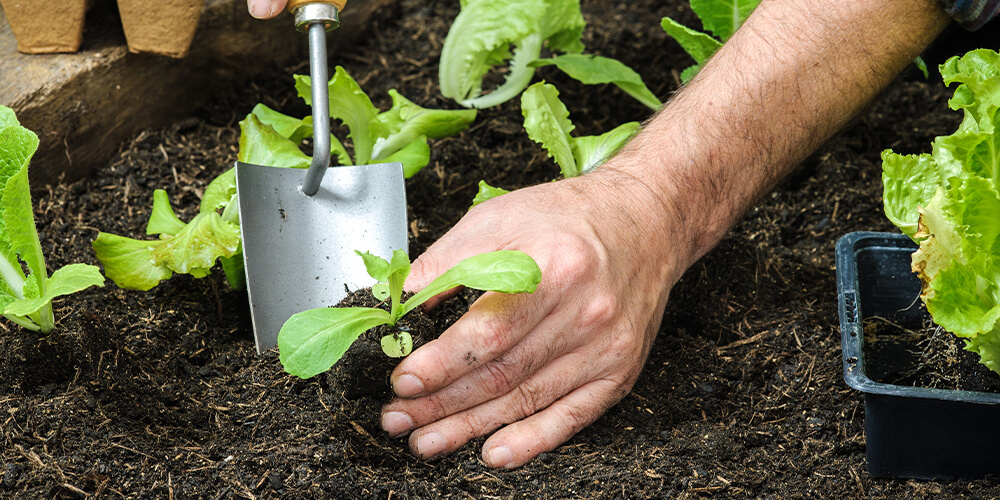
546 120
948 202
27 299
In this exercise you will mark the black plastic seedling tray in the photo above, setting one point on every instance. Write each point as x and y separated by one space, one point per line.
911 432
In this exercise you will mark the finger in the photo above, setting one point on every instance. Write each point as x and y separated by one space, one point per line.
518 443
493 324
536 393
265 9
491 380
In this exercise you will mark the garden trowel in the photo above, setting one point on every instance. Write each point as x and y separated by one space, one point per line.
301 227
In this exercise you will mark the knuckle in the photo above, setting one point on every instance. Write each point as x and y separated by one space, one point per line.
600 311
494 334
435 407
575 418
496 377
528 398
574 259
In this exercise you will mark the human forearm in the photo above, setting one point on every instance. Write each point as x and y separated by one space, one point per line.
788 80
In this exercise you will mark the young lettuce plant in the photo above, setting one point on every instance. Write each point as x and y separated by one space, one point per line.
26 299
546 120
268 137
721 17
484 32
311 342
948 202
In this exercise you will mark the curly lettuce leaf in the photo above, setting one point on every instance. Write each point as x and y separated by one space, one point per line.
482 36
546 120
487 192
948 202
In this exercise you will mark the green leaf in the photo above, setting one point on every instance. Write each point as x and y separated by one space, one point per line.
697 44
163 220
19 221
487 192
546 120
376 266
921 66
908 182
593 70
414 157
407 122
220 193
17 145
562 26
978 73
380 291
688 74
593 150
349 104
130 263
235 271
310 342
507 271
65 281
399 269
482 30
291 128
397 345
261 145
723 17
195 248
958 307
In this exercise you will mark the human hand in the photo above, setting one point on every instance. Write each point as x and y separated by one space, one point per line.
541 366
265 9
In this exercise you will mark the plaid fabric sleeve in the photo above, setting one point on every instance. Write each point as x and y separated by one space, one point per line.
972 14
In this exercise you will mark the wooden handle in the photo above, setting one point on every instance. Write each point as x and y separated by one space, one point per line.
294 4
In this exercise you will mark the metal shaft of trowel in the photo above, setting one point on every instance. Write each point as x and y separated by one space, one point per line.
319 74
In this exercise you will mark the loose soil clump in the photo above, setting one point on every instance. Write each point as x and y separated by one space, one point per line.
160 394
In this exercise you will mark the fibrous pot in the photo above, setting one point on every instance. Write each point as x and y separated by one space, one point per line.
164 27
46 26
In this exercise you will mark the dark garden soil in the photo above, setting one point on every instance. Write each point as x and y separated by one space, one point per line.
159 394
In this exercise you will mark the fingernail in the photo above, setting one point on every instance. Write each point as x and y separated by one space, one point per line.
407 386
257 9
396 423
499 457
430 445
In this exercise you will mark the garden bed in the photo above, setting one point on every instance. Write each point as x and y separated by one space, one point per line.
160 394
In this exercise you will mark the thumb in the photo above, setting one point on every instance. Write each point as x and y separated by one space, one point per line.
265 9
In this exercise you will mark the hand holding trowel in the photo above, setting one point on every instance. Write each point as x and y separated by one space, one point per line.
300 228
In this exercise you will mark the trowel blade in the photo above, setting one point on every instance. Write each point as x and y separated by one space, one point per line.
299 251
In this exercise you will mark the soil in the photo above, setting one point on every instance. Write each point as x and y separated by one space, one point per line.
160 394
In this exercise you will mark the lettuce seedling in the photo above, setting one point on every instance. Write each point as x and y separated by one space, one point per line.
484 32
310 342
546 120
26 299
721 17
271 138
948 201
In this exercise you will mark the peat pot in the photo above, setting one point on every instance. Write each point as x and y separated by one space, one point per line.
46 26
910 432
164 27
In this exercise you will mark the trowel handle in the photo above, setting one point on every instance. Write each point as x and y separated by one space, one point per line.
295 4
308 12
